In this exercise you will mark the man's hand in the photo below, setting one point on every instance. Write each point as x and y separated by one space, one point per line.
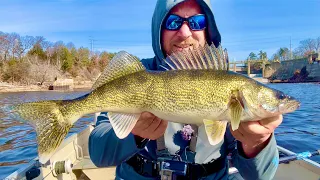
255 135
149 126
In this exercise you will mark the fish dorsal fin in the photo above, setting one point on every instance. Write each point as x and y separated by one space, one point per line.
120 65
206 57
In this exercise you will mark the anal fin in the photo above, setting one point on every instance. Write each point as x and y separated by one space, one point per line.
123 123
215 130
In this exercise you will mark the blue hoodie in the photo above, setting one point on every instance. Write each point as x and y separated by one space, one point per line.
106 149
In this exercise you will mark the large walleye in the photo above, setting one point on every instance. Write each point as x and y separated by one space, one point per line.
197 89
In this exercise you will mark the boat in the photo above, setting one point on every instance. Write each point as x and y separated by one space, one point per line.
71 161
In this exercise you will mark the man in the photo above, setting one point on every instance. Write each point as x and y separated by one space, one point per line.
254 152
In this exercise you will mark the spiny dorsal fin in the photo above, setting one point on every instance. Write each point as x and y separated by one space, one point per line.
120 65
206 57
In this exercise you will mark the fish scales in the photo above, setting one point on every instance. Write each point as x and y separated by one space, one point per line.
196 93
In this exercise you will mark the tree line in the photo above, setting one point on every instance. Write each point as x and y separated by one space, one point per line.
305 48
31 60
34 60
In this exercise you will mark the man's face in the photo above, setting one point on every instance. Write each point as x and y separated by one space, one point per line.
184 38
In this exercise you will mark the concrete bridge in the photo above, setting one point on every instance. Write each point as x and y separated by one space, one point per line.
237 66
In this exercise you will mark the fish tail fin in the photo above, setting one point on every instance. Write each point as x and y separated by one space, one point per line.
49 122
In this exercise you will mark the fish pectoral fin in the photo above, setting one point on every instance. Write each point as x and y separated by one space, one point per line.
123 123
236 108
215 130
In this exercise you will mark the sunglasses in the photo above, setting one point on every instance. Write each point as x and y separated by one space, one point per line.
196 22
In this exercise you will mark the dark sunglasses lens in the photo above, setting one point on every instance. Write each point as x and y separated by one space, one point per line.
173 22
197 22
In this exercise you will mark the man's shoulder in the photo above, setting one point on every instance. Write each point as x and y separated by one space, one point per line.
149 63
147 59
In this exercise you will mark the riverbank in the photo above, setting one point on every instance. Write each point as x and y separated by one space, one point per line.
8 87
261 80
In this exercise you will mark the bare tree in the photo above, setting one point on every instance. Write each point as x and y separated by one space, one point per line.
298 53
308 46
70 45
39 40
2 45
46 44
5 45
42 71
59 44
14 44
317 44
26 42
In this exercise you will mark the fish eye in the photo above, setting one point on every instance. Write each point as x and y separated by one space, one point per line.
281 96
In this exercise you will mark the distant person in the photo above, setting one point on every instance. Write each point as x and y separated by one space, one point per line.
253 145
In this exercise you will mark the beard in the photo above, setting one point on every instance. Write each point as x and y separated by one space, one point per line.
183 44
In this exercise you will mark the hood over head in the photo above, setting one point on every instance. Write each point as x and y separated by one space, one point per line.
162 9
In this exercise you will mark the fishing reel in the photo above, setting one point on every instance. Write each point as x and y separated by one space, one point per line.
59 167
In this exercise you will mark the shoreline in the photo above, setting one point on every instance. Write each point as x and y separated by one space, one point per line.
7 87
261 80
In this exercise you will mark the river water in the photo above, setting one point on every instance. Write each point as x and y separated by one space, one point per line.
300 130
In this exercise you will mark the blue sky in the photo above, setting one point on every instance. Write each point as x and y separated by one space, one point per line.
245 25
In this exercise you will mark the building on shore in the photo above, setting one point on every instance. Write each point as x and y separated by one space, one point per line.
62 84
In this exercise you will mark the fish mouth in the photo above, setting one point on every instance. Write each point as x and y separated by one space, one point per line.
289 106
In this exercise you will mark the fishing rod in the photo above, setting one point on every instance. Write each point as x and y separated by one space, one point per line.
298 156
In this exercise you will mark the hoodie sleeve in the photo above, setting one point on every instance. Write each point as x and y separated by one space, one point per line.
263 166
106 149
